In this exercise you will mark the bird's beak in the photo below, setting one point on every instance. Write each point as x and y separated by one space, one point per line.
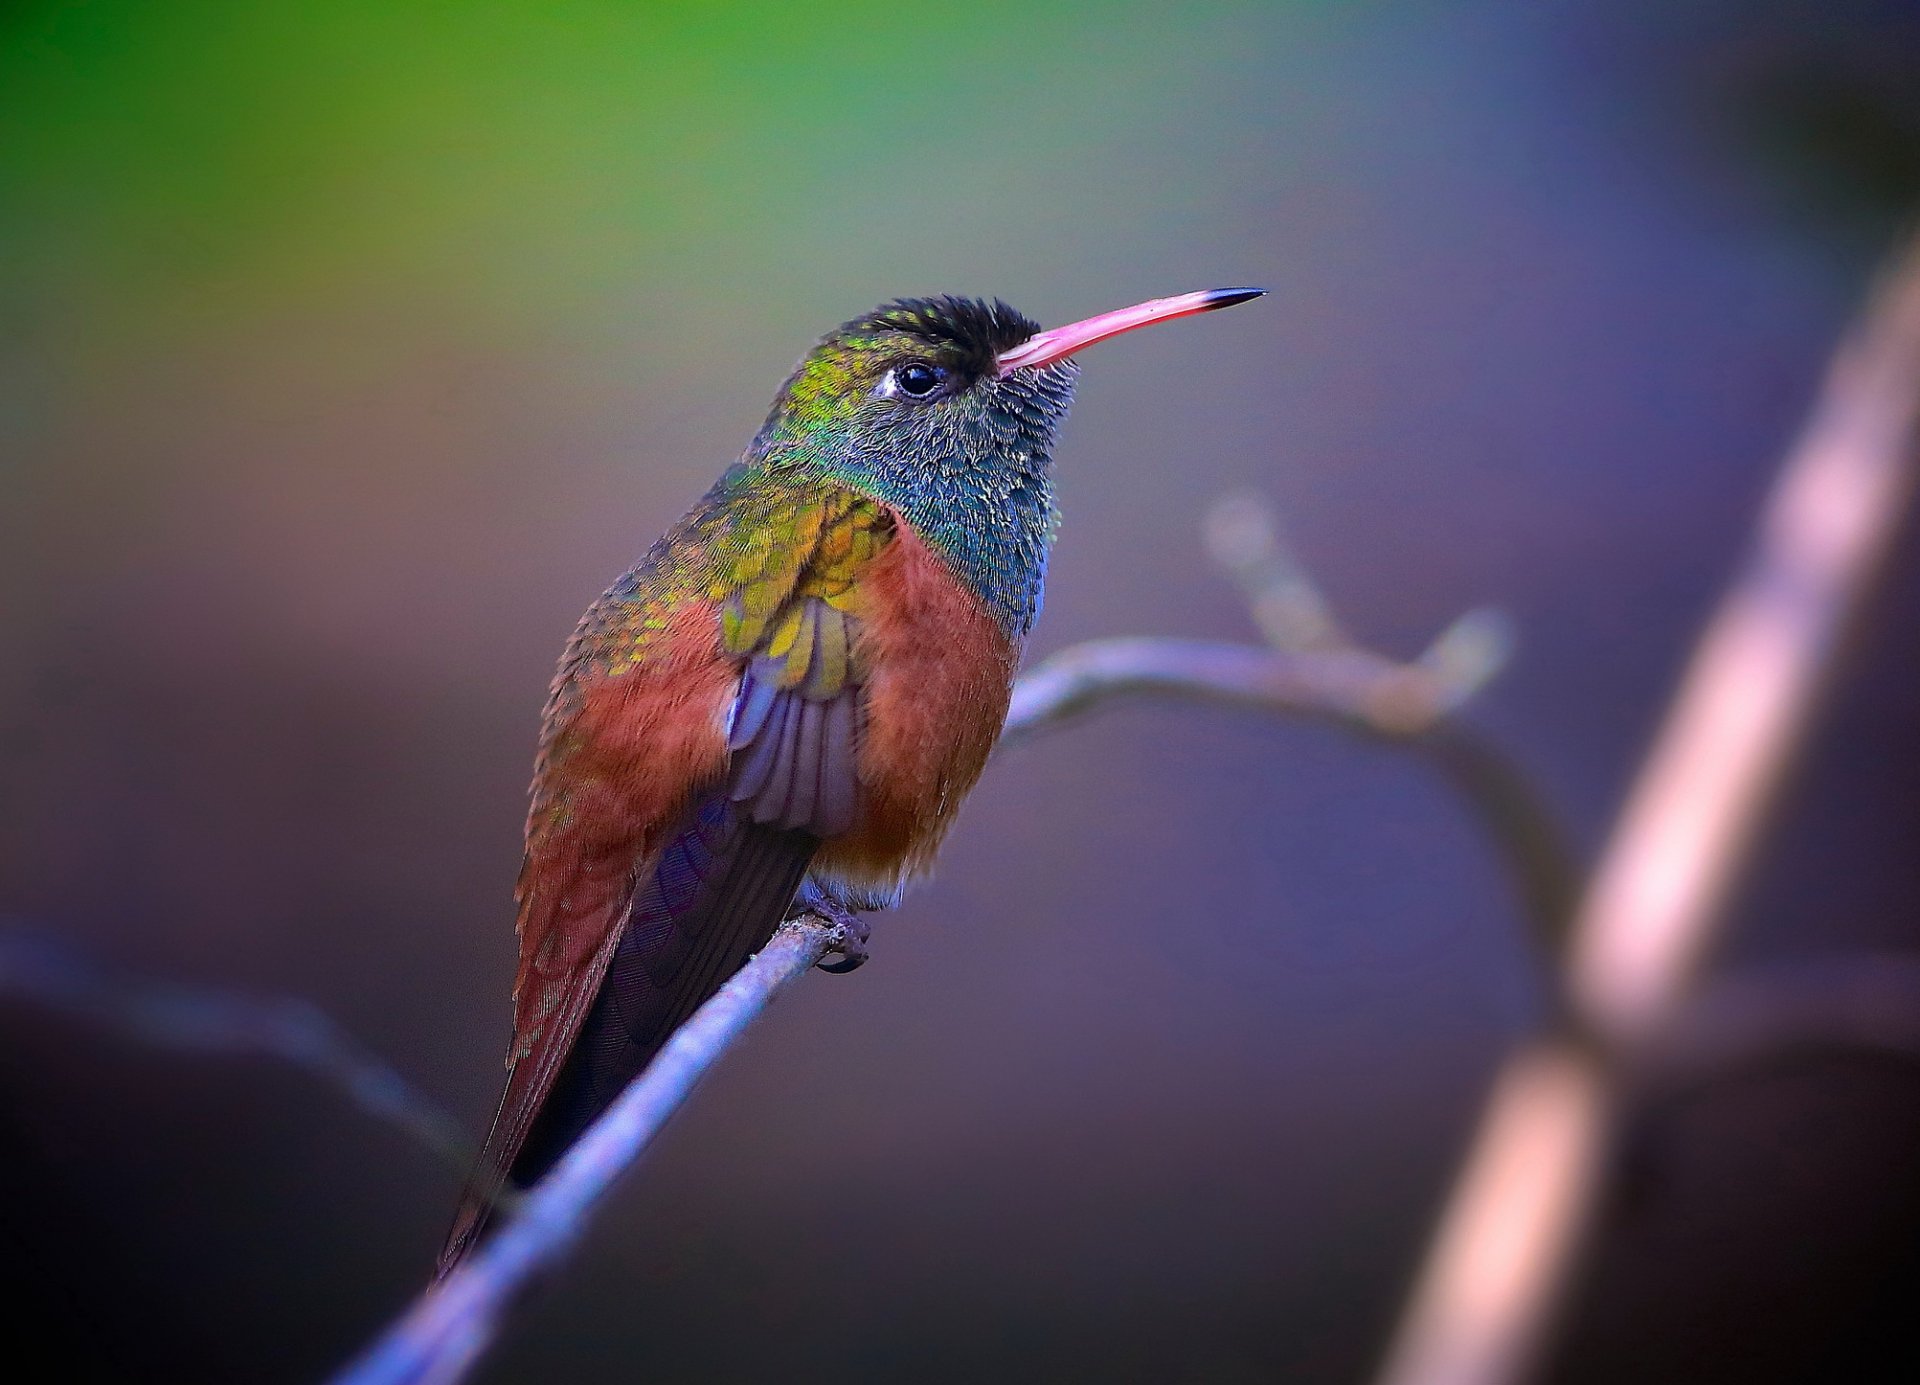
1058 343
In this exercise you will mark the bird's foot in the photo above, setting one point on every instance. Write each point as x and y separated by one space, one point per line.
851 946
853 930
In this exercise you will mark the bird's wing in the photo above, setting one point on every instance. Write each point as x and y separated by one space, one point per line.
638 898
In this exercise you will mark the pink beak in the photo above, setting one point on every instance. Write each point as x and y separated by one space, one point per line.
1058 343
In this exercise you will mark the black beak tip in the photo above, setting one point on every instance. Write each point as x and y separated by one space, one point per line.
1226 298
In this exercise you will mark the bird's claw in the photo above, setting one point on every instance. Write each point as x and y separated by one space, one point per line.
851 944
851 931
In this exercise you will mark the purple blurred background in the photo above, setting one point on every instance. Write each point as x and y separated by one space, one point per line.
352 349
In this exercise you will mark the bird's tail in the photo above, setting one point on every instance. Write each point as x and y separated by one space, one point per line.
711 899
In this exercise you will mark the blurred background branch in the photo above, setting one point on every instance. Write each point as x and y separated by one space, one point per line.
1496 1271
38 970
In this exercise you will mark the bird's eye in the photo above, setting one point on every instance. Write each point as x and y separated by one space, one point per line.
918 379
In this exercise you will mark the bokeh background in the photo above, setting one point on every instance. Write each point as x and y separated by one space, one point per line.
347 350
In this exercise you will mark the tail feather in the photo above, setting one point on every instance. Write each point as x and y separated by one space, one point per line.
529 1080
711 899
673 955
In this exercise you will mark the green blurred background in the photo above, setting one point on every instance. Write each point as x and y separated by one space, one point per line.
347 350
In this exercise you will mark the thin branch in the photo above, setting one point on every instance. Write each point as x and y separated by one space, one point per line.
1358 689
446 1331
209 1020
1410 703
1521 1206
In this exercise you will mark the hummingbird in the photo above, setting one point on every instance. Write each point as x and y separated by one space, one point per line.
781 707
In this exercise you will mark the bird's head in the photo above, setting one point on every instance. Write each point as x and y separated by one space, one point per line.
945 409
946 381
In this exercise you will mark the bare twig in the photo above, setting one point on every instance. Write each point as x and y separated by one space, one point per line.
1522 1203
448 1328
1335 680
1310 666
1358 689
205 1019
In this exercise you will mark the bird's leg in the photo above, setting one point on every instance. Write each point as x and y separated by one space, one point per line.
844 915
